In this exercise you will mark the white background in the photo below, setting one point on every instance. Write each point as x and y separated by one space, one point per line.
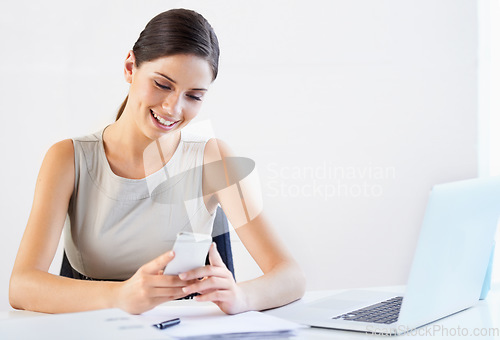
383 94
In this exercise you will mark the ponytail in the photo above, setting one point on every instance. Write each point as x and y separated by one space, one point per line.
122 107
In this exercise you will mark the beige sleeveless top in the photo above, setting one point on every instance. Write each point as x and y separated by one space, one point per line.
118 224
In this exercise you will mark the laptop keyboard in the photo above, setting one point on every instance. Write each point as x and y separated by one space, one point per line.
383 312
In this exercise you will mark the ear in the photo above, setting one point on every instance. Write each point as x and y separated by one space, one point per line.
129 66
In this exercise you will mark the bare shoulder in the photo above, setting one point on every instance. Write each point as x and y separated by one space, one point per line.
63 148
61 153
59 162
214 169
216 149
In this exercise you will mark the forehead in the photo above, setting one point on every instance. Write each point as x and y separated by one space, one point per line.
186 70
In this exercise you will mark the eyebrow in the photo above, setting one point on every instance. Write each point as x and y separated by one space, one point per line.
173 81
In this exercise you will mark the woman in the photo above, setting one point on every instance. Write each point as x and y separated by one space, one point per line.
121 229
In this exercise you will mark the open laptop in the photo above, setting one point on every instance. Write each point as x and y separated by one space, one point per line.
447 272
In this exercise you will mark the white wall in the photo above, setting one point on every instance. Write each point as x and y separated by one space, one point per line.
351 109
488 99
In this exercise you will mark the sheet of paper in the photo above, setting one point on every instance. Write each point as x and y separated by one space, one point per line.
101 324
200 320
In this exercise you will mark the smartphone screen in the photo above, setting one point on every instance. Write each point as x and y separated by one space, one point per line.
190 252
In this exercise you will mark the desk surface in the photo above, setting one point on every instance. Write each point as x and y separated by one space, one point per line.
483 318
478 322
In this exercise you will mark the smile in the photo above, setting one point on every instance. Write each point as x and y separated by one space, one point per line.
162 121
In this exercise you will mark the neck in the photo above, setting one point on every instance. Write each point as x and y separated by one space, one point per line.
133 143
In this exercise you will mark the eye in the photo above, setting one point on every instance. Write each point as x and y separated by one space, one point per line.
194 97
163 87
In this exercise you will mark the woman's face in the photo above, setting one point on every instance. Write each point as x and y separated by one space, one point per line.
166 93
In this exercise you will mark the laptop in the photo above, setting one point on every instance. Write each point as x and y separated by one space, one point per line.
446 276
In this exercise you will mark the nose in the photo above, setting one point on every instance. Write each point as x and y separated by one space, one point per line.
172 104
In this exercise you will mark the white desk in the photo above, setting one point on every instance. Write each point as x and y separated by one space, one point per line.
485 317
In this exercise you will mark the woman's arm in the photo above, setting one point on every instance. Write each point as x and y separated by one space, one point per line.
283 280
33 288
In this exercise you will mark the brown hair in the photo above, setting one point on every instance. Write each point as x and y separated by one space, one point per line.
177 31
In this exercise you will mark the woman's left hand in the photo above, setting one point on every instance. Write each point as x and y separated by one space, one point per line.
218 285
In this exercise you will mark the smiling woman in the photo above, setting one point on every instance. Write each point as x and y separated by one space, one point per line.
121 230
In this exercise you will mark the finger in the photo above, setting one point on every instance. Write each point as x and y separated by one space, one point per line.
168 292
215 296
201 292
159 263
212 283
159 300
214 256
204 272
169 281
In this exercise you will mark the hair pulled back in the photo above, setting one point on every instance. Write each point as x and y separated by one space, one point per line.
177 31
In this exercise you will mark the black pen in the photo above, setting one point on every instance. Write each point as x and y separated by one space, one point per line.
168 323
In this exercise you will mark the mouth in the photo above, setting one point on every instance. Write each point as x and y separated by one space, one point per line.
163 122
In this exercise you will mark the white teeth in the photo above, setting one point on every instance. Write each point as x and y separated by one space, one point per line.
163 121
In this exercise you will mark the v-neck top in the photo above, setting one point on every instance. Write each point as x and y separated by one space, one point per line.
117 224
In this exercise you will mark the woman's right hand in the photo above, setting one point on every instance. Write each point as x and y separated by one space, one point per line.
149 287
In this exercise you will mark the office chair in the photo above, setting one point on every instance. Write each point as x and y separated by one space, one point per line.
221 239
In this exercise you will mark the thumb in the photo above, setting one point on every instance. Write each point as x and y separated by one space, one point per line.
159 263
214 257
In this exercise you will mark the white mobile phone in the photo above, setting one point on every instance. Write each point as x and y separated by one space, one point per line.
190 252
